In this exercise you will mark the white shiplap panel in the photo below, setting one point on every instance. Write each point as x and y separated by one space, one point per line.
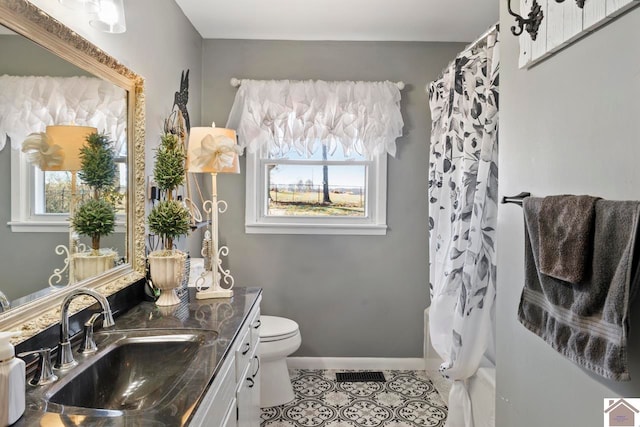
525 39
572 20
554 19
539 45
593 13
576 23
616 6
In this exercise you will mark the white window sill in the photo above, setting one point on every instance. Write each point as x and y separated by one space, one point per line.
333 229
41 226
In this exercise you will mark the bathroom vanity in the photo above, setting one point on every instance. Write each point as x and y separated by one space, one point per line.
195 363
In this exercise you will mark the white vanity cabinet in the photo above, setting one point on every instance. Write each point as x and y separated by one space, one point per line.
233 400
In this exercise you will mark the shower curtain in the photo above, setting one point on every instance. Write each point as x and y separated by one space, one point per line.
463 192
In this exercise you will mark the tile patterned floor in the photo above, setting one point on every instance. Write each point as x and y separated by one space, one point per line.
406 399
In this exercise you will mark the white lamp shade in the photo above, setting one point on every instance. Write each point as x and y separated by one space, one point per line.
71 139
110 17
212 150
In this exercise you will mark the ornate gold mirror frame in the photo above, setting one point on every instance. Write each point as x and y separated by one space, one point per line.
28 20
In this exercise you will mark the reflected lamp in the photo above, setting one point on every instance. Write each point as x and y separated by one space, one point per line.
58 149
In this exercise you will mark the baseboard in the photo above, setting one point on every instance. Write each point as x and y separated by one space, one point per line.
356 363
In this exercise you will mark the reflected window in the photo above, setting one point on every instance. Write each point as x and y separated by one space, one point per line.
40 199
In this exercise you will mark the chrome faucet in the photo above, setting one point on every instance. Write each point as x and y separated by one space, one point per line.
64 359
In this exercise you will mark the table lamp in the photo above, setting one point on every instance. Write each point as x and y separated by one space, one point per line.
214 150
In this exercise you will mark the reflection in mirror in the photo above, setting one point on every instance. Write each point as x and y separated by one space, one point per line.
39 90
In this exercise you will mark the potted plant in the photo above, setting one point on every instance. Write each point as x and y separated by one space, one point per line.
96 216
169 219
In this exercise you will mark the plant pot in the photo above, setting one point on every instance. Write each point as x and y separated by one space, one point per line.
167 269
87 264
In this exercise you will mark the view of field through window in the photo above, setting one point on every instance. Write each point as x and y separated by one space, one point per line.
57 191
297 188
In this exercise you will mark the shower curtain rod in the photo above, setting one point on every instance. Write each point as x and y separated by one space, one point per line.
480 39
235 82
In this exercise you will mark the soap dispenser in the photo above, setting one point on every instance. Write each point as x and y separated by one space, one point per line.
12 381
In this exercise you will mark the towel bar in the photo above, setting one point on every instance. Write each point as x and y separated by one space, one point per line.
517 199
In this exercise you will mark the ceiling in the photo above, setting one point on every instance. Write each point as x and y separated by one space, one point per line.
378 20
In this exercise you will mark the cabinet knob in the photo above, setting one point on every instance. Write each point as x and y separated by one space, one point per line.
257 324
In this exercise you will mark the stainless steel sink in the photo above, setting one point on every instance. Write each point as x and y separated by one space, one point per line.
134 370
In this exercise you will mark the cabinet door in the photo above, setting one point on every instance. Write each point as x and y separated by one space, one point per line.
243 398
231 418
254 408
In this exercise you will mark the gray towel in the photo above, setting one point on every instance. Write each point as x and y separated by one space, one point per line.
566 236
586 322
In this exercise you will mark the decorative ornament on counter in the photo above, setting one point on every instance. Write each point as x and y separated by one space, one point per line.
169 219
213 150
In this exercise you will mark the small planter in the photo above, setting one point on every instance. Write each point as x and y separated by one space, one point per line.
167 269
88 265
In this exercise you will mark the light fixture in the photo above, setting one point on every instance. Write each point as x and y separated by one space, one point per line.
213 150
88 6
58 149
531 24
110 17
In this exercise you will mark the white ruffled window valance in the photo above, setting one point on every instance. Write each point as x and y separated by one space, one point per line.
31 103
284 115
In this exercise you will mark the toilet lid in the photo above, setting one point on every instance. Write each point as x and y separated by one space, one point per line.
274 328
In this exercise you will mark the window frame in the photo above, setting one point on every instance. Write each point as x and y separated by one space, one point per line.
24 178
374 222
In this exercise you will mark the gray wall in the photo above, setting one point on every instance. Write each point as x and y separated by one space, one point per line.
568 125
157 46
352 295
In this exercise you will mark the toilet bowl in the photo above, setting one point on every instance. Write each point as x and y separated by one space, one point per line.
279 337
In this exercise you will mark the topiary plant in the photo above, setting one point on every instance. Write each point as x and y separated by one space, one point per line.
96 217
169 169
169 219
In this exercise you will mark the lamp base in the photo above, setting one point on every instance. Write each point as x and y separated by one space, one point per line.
214 293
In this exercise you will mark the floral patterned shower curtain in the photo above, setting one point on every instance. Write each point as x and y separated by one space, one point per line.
463 192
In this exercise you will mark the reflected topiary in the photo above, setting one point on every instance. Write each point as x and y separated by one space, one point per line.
97 162
95 218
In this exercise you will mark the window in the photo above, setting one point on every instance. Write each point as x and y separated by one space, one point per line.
40 200
322 193
302 174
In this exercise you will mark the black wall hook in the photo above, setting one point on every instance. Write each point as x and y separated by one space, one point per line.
533 20
531 24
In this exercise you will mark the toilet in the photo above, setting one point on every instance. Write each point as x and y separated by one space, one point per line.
279 337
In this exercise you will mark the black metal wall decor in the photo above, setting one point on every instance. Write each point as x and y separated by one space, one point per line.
531 24
182 97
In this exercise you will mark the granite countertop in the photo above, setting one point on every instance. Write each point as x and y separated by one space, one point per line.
225 316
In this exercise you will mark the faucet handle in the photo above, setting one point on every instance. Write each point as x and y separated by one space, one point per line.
44 372
88 345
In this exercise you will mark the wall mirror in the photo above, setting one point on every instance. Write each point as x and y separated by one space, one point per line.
42 57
